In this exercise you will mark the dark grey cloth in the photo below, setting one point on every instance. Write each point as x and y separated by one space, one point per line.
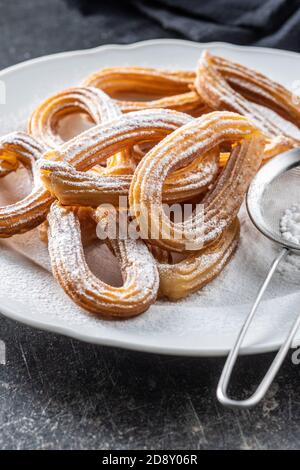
272 23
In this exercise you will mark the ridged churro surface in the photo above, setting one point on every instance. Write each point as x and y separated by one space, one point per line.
138 267
150 88
221 204
229 86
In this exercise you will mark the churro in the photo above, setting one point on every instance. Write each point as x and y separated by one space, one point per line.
215 80
221 204
150 88
138 267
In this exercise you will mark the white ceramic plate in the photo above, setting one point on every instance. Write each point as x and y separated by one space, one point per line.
207 323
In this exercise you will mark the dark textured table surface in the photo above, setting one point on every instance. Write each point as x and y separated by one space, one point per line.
58 393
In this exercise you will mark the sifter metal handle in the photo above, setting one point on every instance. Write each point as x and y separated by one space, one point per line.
275 366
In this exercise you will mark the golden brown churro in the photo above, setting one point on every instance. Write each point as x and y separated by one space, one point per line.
137 265
220 205
73 187
199 268
20 217
44 121
150 88
215 80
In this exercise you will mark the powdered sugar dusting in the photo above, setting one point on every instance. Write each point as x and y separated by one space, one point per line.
197 315
290 224
70 269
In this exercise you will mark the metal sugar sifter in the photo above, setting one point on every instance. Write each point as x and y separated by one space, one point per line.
275 188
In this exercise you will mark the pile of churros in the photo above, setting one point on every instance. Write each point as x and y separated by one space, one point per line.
156 138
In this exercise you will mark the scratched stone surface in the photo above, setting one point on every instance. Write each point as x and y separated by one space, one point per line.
58 393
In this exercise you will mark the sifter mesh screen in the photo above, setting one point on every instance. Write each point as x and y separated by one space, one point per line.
279 195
